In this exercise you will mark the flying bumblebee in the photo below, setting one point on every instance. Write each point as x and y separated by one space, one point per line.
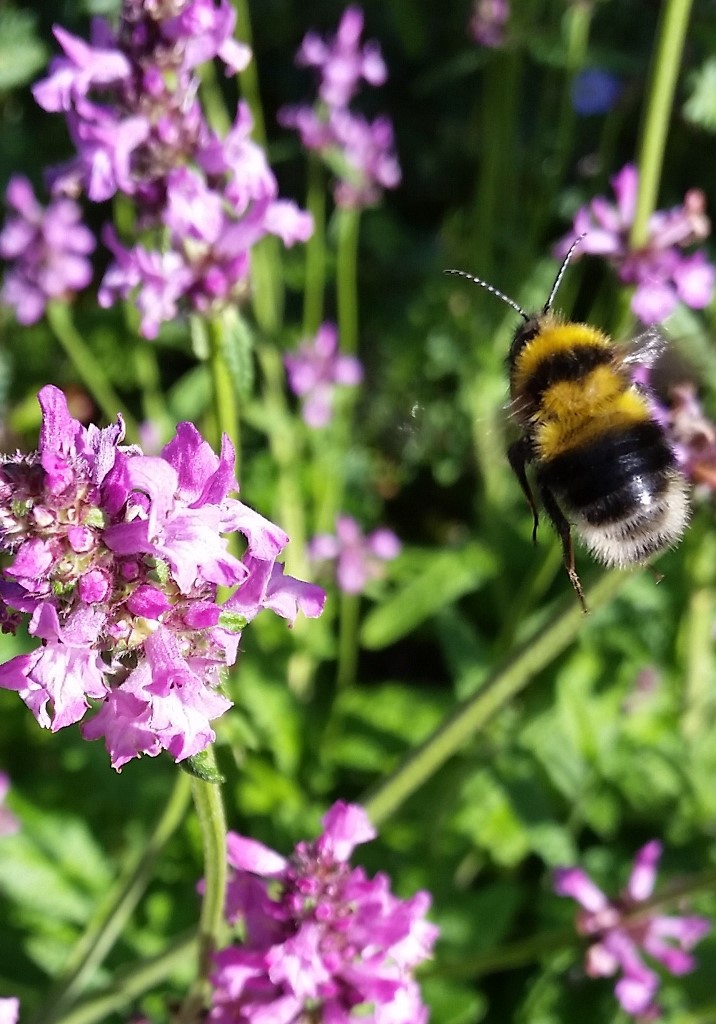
602 462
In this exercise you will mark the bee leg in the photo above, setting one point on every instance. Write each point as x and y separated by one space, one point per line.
519 455
561 525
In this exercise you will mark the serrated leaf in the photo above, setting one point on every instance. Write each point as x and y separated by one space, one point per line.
488 818
447 576
238 351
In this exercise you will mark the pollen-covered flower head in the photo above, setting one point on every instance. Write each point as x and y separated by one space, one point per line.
116 558
47 250
320 940
618 931
663 274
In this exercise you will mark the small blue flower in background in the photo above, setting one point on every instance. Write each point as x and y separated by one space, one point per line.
595 91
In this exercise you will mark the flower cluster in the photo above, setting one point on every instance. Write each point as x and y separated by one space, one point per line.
321 940
47 249
360 152
357 557
617 929
132 109
315 370
662 273
116 557
487 22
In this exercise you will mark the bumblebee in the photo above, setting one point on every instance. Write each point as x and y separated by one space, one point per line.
602 462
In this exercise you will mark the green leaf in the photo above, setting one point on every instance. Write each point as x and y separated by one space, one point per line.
446 577
700 107
452 1002
238 350
22 55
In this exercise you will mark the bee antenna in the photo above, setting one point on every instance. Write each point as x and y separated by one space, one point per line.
558 280
490 288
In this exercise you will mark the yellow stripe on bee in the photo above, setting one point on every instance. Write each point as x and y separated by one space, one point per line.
554 336
587 413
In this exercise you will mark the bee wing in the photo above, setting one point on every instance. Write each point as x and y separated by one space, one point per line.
645 349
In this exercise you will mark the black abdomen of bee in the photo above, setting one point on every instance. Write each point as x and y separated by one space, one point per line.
623 493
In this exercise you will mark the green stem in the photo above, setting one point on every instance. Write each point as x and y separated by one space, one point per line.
347 275
576 25
266 262
154 406
471 715
212 821
225 402
347 640
131 983
492 210
527 951
249 78
285 451
671 34
315 249
87 366
212 100
104 931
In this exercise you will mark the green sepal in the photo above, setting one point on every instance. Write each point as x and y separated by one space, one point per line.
200 766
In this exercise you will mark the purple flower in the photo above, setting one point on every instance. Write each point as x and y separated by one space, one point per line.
693 435
341 60
9 1010
618 932
315 370
116 557
488 20
360 153
358 557
660 270
8 822
134 116
46 249
320 940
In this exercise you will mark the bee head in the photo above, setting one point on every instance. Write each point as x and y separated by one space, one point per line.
533 322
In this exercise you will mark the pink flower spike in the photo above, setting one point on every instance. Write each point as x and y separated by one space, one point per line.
320 938
660 269
118 568
359 559
621 929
